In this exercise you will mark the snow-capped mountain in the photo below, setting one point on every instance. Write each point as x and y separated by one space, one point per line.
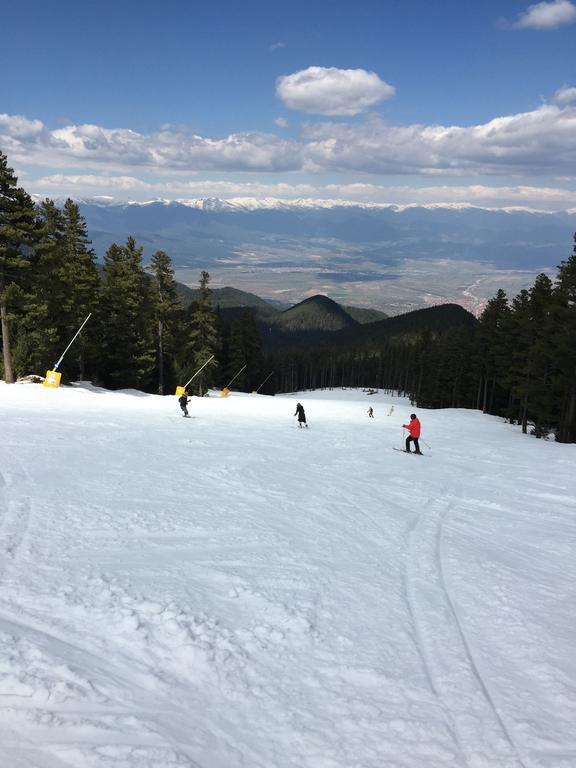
238 204
389 257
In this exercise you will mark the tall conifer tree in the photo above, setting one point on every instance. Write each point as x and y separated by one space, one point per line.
17 238
43 328
492 347
203 340
169 314
85 288
564 342
127 319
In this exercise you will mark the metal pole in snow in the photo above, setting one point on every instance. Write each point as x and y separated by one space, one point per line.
235 377
198 371
264 382
69 345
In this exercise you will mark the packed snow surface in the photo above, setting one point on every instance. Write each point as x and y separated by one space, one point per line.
231 591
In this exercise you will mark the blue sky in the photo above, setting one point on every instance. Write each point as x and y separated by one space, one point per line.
389 101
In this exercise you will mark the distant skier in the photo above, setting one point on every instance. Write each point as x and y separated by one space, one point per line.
184 400
371 412
414 429
301 416
391 411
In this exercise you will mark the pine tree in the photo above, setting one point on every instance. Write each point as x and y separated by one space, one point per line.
245 349
492 349
237 356
169 315
252 348
17 238
85 288
126 319
42 329
202 341
564 346
61 289
529 374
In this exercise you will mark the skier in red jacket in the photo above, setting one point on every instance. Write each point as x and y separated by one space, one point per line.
414 429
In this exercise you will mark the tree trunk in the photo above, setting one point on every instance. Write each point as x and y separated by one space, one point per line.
160 359
525 415
8 374
566 432
485 396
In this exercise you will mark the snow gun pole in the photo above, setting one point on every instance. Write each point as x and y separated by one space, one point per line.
72 342
198 371
235 377
265 380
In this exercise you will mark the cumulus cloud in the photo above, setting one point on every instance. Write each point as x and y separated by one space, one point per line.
565 95
171 147
281 122
547 15
537 143
531 143
331 91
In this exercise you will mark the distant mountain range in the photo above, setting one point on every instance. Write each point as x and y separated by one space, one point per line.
394 258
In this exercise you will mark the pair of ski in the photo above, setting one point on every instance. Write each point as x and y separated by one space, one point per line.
403 450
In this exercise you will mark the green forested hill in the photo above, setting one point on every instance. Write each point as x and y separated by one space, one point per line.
433 319
318 313
363 315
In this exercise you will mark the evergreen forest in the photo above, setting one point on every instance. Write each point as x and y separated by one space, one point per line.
518 360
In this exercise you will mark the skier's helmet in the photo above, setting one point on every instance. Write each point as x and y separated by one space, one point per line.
412 415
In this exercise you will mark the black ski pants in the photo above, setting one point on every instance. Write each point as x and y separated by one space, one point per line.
414 440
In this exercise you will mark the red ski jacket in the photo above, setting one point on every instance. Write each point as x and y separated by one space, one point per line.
414 428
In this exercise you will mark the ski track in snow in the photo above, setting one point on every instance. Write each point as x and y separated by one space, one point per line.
479 730
14 519
225 592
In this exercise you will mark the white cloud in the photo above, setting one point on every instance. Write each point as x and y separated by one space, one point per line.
170 148
547 15
531 143
281 122
565 95
59 183
537 143
277 45
331 91
91 181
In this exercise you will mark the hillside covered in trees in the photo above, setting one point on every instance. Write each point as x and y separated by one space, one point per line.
147 332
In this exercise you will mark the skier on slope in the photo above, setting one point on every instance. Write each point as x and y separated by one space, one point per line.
184 400
371 412
414 429
301 415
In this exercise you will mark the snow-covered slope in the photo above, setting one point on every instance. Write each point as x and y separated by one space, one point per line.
231 591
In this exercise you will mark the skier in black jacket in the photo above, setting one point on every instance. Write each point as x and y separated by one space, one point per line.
301 416
183 400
